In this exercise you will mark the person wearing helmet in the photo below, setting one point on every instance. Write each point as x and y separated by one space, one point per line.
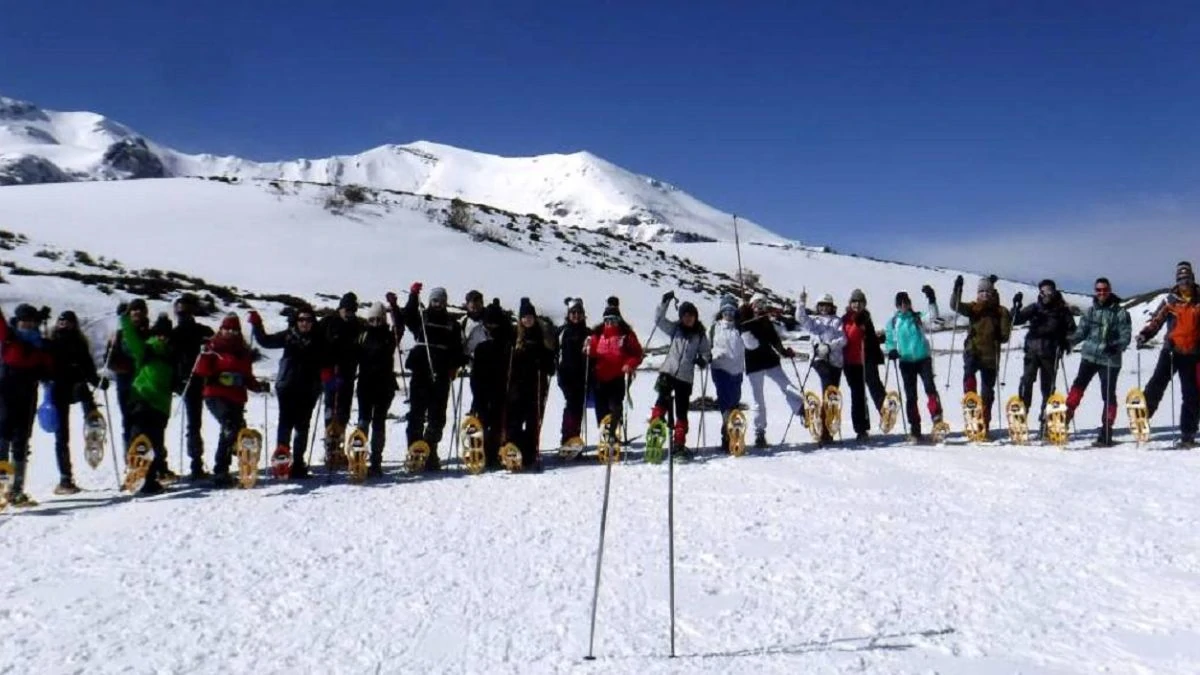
728 362
74 371
297 383
226 366
689 349
862 357
376 380
989 329
763 351
433 361
187 340
828 340
27 360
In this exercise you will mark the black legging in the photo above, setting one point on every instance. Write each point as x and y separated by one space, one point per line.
295 417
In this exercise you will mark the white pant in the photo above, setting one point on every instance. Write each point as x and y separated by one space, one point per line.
794 399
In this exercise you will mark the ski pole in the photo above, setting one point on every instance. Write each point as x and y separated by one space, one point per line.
1067 388
586 368
703 405
900 395
671 536
955 301
112 440
1171 355
599 560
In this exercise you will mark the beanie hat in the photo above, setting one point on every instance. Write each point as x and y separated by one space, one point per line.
758 299
474 295
375 311
575 305
138 304
857 295
162 325
1183 272
349 302
729 302
1047 282
438 295
26 312
613 301
231 322
69 317
612 311
986 284
526 308
903 299
305 310
826 299
188 300
493 314
686 307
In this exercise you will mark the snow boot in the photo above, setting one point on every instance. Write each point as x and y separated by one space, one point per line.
862 437
66 486
151 487
1185 443
222 480
760 439
298 471
20 500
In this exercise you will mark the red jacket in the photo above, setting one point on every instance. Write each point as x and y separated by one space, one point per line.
852 353
19 355
227 373
611 350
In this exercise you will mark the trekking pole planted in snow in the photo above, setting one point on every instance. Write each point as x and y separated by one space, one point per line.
703 402
671 537
1067 387
599 560
900 395
737 242
955 302
112 441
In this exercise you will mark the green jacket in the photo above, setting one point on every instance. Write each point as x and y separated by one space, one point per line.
154 370
1105 332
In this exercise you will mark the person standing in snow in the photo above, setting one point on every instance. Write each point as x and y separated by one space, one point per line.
377 378
27 360
490 376
906 342
341 331
615 352
689 349
1105 331
763 352
1046 340
532 364
298 382
433 362
728 362
990 325
187 340
151 391
120 364
829 341
227 368
471 324
862 357
1180 312
74 371
573 367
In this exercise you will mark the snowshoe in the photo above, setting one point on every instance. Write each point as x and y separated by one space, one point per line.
889 412
941 429
831 410
6 478
656 441
357 455
471 435
1139 418
418 456
19 500
608 450
335 452
680 453
281 462
137 463
66 487
572 448
1018 420
812 414
973 426
1056 419
249 451
94 438
510 457
736 428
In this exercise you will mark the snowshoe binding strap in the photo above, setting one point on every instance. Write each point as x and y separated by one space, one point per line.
94 438
471 434
973 426
357 456
137 463
608 450
735 427
1139 418
1056 420
572 448
889 412
812 414
832 409
1018 420
510 457
418 453
249 451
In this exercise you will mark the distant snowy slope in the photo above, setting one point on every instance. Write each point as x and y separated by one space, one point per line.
578 189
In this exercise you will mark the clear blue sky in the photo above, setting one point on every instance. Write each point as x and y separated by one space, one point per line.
963 133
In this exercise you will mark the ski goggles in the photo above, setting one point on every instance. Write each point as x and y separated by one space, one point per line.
230 379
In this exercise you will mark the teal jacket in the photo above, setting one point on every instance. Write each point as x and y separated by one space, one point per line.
1105 332
905 332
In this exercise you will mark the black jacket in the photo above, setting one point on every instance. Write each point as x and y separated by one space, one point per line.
341 338
442 345
304 356
73 364
187 339
377 360
1050 326
572 362
766 355
533 360
490 370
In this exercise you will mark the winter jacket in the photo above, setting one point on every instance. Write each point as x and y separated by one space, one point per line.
119 360
612 348
686 346
861 339
763 346
532 360
1105 330
377 361
153 366
438 339
1050 326
728 348
905 333
490 369
826 330
341 338
304 356
990 326
187 339
26 356
73 364
1181 313
473 333
571 360
227 369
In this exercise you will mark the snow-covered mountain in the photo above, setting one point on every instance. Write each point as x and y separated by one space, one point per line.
579 189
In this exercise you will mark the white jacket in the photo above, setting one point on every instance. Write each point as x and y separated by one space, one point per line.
728 347
473 333
826 330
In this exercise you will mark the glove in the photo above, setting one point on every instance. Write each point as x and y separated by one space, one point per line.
668 296
627 369
44 314
415 289
255 319
391 299
122 307
1018 299
789 352
701 362
1141 341
104 384
822 351
264 387
958 284
893 355
928 291
803 298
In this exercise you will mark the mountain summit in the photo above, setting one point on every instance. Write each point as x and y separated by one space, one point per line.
580 189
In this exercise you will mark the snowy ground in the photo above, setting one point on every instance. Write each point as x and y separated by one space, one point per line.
887 558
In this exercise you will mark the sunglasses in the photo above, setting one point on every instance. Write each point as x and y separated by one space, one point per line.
611 319
1103 290
304 319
